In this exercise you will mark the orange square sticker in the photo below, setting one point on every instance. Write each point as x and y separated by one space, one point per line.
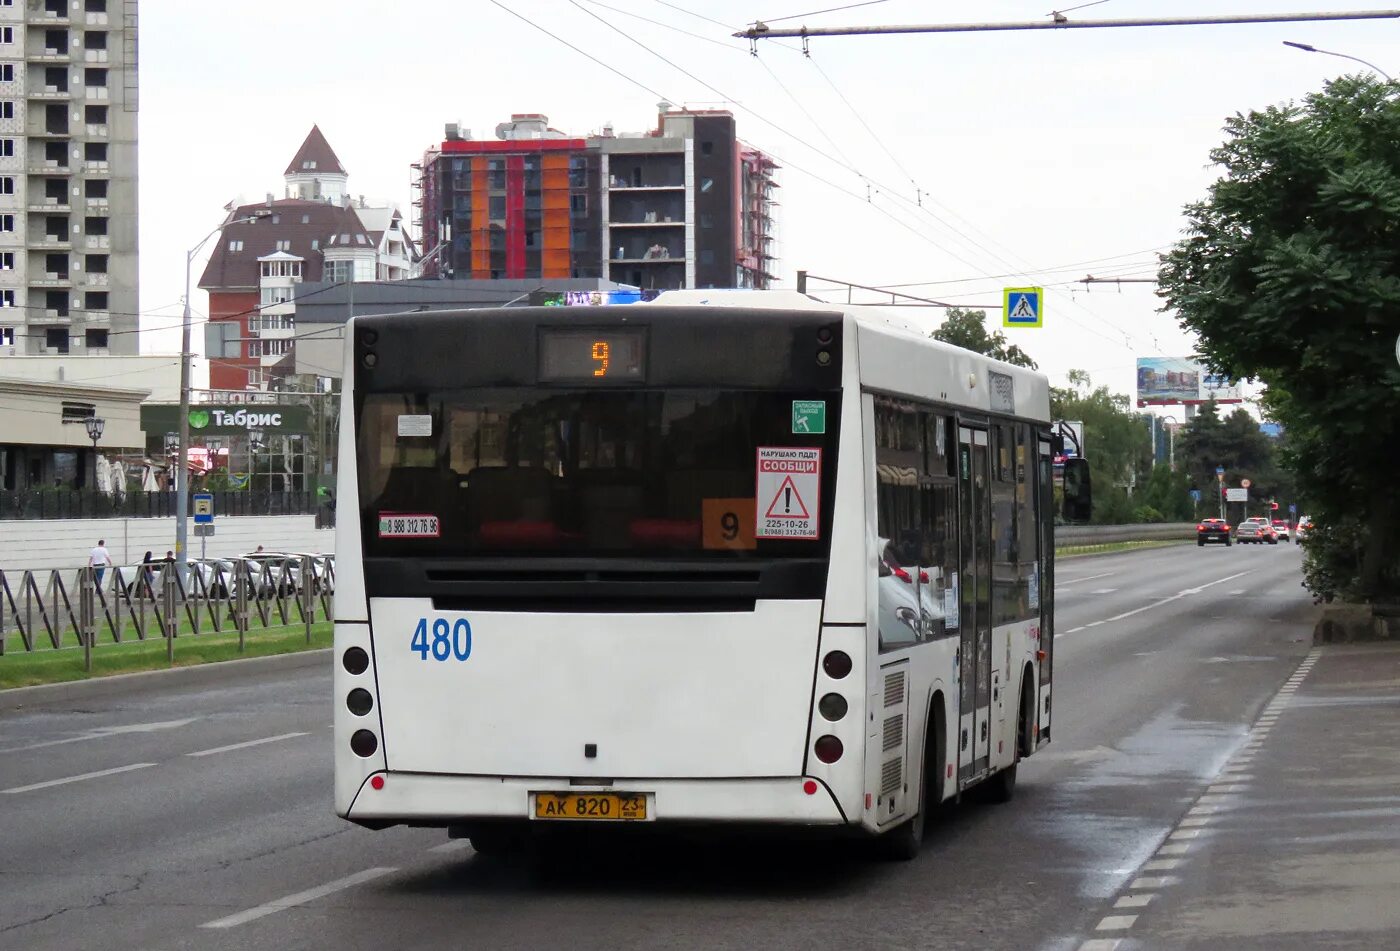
728 523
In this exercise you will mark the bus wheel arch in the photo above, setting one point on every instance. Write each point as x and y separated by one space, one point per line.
1025 716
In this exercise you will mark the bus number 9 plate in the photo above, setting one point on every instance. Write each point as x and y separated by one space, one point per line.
598 807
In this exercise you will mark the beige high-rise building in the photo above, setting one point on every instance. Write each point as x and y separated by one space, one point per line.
68 219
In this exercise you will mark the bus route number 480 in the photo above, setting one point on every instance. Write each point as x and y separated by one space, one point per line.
448 640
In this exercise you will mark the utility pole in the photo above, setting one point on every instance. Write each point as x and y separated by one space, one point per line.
1058 21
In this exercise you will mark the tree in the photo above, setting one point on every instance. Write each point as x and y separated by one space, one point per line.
1290 274
968 329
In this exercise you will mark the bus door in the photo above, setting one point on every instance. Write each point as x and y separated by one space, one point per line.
1045 485
975 601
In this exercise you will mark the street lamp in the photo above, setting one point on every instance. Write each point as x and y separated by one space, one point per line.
182 475
1356 59
95 425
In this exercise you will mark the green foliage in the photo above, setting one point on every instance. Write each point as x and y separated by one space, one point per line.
968 329
1147 514
1168 494
1290 274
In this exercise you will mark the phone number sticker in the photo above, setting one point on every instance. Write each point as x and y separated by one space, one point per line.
403 525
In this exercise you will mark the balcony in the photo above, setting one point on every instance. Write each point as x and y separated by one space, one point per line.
94 56
621 185
96 92
97 131
51 280
97 204
54 316
97 319
50 205
56 241
47 167
95 19
48 54
50 93
97 241
96 279
97 168
646 224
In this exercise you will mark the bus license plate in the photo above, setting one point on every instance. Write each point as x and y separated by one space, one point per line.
600 807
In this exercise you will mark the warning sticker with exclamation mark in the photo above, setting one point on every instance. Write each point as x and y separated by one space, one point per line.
788 492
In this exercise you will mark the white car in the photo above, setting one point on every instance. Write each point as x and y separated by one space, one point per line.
1304 527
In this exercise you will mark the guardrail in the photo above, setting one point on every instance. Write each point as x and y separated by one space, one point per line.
70 503
1073 536
78 607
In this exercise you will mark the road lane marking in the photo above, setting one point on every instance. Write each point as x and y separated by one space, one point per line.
77 779
1100 944
451 845
1116 923
1066 584
247 743
1133 901
300 898
102 732
1103 591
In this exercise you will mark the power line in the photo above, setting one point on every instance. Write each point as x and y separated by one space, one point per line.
667 26
849 6
699 16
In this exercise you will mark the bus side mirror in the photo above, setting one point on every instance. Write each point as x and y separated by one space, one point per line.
1079 501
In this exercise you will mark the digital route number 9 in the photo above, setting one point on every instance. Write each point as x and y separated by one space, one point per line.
601 351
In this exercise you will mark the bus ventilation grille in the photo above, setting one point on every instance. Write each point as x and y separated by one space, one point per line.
894 689
891 776
894 732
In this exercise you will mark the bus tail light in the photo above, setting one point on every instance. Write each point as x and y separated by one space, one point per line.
809 787
364 743
376 782
837 664
828 749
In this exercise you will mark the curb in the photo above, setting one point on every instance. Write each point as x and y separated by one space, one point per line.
18 698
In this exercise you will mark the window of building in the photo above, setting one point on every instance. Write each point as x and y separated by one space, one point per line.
578 206
94 40
7 34
56 264
7 185
7 298
7 223
95 226
274 295
284 244
306 219
95 188
7 72
495 173
95 78
309 164
578 240
56 190
96 264
56 153
361 239
96 339
7 108
76 412
315 244
235 244
707 220
7 148
56 338
7 260
338 271
95 152
7 335
578 171
254 348
96 300
707 255
96 6
496 208
95 115
707 148
706 184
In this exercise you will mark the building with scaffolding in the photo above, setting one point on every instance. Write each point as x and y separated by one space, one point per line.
685 205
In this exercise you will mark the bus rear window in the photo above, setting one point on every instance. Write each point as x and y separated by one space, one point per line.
518 472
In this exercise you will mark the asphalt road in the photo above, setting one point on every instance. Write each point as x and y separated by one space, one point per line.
163 817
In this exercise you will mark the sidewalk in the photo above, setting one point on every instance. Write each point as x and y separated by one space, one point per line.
1297 843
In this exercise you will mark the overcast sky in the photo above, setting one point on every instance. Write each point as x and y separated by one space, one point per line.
1033 153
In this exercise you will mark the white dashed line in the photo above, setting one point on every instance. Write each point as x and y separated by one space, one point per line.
77 779
247 743
1066 584
1100 944
1116 923
1133 901
300 898
1103 591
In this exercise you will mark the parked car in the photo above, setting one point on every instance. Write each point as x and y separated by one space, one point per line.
1256 531
1281 527
1213 530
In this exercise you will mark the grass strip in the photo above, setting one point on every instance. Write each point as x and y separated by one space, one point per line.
26 669
1069 551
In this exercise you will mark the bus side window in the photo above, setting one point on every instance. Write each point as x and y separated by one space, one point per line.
898 461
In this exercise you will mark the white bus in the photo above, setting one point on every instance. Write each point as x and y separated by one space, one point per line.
727 557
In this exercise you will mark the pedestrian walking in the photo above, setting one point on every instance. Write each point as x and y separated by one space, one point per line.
148 573
98 560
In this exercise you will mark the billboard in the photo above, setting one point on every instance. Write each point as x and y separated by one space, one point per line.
1165 381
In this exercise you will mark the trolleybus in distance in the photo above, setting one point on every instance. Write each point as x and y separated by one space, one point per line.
752 560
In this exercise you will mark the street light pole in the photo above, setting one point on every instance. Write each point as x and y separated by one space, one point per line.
1306 48
182 502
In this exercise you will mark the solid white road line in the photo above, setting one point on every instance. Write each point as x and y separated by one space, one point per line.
77 779
247 743
1155 604
300 898
451 845
103 732
1066 584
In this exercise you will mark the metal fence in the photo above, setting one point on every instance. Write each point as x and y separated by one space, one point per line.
76 503
82 608
1073 536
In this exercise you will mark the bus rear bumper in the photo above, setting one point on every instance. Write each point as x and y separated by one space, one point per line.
433 799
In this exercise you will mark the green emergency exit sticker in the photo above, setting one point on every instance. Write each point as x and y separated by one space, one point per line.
809 416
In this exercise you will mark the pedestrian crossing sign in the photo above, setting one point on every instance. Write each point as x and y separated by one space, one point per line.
1023 307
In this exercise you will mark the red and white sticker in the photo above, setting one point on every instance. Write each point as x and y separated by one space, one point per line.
408 525
788 492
